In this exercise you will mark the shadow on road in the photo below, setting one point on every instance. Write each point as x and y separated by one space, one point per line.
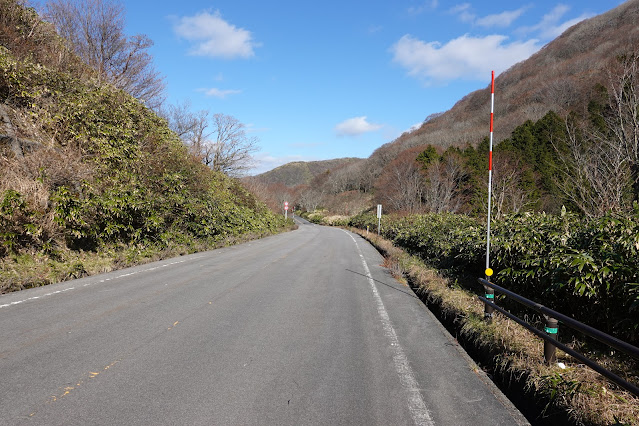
411 294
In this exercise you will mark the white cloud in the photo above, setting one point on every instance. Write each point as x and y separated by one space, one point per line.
356 126
472 57
425 6
414 127
550 21
555 32
463 12
219 93
551 26
214 37
250 128
465 57
500 20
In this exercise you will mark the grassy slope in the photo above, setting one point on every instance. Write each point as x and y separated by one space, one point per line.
103 182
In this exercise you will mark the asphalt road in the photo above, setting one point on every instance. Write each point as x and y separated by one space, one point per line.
303 328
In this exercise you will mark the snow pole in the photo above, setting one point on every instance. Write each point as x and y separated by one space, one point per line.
490 293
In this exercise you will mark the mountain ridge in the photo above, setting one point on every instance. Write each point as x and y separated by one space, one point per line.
302 172
562 76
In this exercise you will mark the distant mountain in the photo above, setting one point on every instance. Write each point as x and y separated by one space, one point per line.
561 77
303 172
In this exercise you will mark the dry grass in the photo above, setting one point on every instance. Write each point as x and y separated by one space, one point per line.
36 176
587 397
335 219
35 270
28 271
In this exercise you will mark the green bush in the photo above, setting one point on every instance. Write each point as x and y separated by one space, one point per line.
587 269
138 184
19 225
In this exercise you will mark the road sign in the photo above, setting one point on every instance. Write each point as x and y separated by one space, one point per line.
379 211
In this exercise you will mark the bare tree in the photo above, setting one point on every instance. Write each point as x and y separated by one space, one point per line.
405 186
601 163
192 128
595 176
94 30
219 142
401 184
443 184
281 194
230 152
507 192
365 175
346 177
197 137
180 119
311 198
623 118
256 186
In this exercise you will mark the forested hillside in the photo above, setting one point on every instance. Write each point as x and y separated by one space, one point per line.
562 77
91 179
565 135
302 172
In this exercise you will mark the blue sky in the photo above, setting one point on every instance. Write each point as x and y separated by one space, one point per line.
330 79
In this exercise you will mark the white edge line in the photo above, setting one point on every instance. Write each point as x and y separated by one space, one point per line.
416 404
17 302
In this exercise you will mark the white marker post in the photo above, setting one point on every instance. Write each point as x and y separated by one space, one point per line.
379 218
285 209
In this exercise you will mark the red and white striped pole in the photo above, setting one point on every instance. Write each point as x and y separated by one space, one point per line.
490 293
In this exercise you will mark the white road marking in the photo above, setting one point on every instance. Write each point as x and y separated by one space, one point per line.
17 302
416 405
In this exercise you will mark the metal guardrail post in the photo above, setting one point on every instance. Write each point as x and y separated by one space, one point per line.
488 310
549 349
550 334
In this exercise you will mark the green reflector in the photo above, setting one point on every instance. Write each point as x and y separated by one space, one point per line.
490 295
550 330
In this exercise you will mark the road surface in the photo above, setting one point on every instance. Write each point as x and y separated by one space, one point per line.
302 328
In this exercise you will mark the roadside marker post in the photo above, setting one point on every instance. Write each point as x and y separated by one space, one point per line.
490 293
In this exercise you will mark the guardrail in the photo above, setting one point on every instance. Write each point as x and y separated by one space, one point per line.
549 335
